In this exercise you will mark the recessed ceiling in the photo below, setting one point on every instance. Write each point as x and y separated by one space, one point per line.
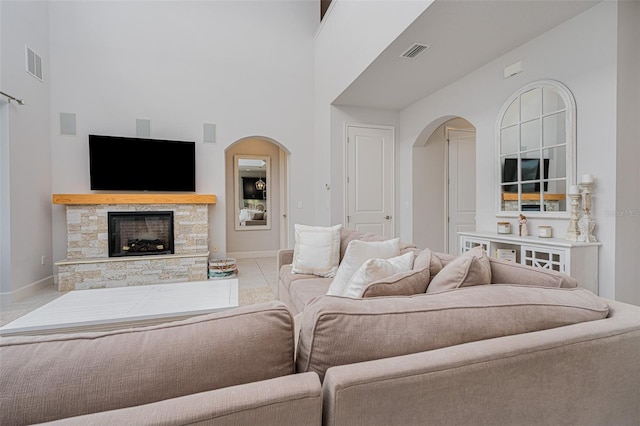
463 35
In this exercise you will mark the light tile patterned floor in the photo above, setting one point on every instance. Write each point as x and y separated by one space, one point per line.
259 274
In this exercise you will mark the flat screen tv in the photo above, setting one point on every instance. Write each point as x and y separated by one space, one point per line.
530 170
134 164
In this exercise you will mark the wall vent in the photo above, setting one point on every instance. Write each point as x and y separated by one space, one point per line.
415 50
34 64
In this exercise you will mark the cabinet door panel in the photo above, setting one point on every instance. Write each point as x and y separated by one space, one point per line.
541 257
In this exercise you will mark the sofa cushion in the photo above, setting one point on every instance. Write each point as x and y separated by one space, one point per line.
286 277
348 235
302 292
338 330
401 284
505 272
317 250
357 253
471 268
377 269
445 258
93 372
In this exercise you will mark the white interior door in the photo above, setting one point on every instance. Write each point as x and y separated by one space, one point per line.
461 192
370 179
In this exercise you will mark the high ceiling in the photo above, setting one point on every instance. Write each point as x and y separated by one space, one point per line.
464 35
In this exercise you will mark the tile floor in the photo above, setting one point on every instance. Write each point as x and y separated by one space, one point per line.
252 273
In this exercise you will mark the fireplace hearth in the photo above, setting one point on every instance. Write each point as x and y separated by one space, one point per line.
140 233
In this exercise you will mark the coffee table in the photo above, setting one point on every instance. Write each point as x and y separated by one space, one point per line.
122 307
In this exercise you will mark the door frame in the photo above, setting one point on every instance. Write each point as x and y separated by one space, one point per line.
284 198
345 150
447 177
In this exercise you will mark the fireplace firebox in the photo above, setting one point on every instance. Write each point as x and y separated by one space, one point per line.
140 233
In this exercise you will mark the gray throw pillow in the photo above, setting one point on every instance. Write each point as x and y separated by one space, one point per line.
471 268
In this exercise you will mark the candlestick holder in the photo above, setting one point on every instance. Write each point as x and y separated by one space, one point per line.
586 224
573 231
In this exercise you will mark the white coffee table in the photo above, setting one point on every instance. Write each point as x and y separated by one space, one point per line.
122 307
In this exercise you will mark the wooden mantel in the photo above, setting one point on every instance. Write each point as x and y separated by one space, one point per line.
85 199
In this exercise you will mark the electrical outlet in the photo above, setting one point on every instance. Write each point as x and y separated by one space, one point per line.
42 259
215 249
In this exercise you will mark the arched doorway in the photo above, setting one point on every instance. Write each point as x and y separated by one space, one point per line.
247 234
443 183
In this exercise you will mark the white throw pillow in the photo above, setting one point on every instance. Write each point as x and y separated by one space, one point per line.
377 269
355 255
317 250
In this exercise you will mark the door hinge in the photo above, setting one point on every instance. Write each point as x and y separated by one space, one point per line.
348 219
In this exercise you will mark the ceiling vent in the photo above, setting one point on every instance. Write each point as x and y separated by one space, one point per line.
415 50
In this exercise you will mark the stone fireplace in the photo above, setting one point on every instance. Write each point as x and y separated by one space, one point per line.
90 262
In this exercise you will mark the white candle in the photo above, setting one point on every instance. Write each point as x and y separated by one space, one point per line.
588 178
573 190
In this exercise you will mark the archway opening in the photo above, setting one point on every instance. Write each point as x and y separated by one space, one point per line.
433 161
260 240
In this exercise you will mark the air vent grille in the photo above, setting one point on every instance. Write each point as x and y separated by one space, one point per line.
415 50
34 64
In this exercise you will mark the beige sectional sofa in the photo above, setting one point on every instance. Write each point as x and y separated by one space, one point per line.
531 348
230 368
542 351
297 290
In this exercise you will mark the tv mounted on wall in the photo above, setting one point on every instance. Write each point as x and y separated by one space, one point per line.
135 164
530 170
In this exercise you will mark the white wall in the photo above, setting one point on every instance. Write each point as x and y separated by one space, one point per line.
245 66
627 210
353 34
25 214
581 53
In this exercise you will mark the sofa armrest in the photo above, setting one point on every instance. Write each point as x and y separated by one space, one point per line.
285 257
289 400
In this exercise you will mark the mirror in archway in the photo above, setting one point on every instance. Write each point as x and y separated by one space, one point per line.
251 179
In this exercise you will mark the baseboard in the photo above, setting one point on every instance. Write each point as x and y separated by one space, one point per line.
251 254
9 297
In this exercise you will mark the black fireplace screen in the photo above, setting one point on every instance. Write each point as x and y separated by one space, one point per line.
140 233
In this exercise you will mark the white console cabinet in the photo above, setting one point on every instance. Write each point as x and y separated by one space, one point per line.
579 260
